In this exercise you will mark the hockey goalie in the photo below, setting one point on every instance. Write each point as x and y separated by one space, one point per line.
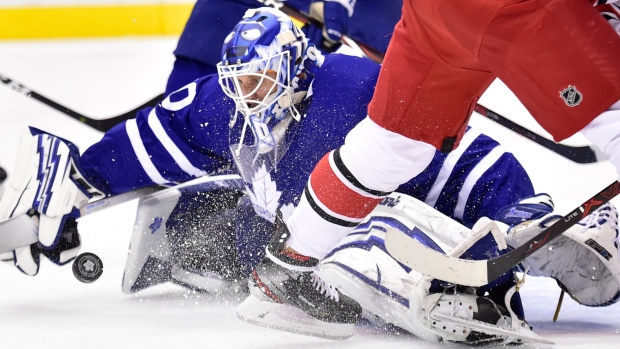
215 251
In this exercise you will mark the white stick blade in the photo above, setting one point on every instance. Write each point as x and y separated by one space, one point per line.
427 261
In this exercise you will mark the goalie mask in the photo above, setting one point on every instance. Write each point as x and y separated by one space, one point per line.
264 69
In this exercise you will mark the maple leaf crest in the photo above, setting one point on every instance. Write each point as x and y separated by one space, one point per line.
264 194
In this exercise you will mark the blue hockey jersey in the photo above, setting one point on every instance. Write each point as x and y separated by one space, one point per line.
199 47
186 136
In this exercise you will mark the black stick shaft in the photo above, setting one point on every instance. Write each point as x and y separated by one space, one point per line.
503 264
102 125
580 154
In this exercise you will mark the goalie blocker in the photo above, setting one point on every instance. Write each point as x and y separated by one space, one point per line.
39 208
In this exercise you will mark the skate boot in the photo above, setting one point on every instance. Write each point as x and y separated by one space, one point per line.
287 294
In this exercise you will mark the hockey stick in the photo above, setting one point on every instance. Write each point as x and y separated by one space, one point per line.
13 234
100 125
415 255
579 154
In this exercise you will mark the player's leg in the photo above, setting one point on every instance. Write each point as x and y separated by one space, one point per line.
560 60
288 294
416 108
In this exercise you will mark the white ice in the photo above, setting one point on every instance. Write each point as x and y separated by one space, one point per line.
106 77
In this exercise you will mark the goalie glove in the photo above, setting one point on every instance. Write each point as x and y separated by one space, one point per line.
584 260
28 259
48 186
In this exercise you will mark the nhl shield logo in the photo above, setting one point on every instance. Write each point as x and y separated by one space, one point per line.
571 96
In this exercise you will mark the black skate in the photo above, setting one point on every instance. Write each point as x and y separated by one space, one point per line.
288 295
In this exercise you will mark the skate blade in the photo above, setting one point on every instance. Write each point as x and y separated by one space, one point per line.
288 318
525 336
207 282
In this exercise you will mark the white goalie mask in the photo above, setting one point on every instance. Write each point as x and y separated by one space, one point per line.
262 61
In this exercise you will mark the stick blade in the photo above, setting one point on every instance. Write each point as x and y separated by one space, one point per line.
427 261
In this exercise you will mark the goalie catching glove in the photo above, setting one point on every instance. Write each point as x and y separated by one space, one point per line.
39 208
583 260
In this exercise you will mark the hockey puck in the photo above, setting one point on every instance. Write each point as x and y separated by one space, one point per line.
2 175
87 267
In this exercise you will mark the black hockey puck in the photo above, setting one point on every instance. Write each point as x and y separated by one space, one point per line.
2 175
87 267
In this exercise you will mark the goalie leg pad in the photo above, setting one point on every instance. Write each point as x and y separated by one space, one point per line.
376 281
148 260
361 268
185 235
584 260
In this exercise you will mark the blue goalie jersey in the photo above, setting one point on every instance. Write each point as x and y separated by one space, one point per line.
186 136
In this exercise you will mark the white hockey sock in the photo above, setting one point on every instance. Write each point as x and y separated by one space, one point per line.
604 133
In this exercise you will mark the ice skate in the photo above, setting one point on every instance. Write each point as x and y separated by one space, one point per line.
287 294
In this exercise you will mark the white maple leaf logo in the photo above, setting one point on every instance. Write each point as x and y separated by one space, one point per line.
264 194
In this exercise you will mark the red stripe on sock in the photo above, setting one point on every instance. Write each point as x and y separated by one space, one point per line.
296 256
336 196
264 288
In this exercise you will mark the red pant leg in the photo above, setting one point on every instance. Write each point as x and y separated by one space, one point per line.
421 94
559 57
556 56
